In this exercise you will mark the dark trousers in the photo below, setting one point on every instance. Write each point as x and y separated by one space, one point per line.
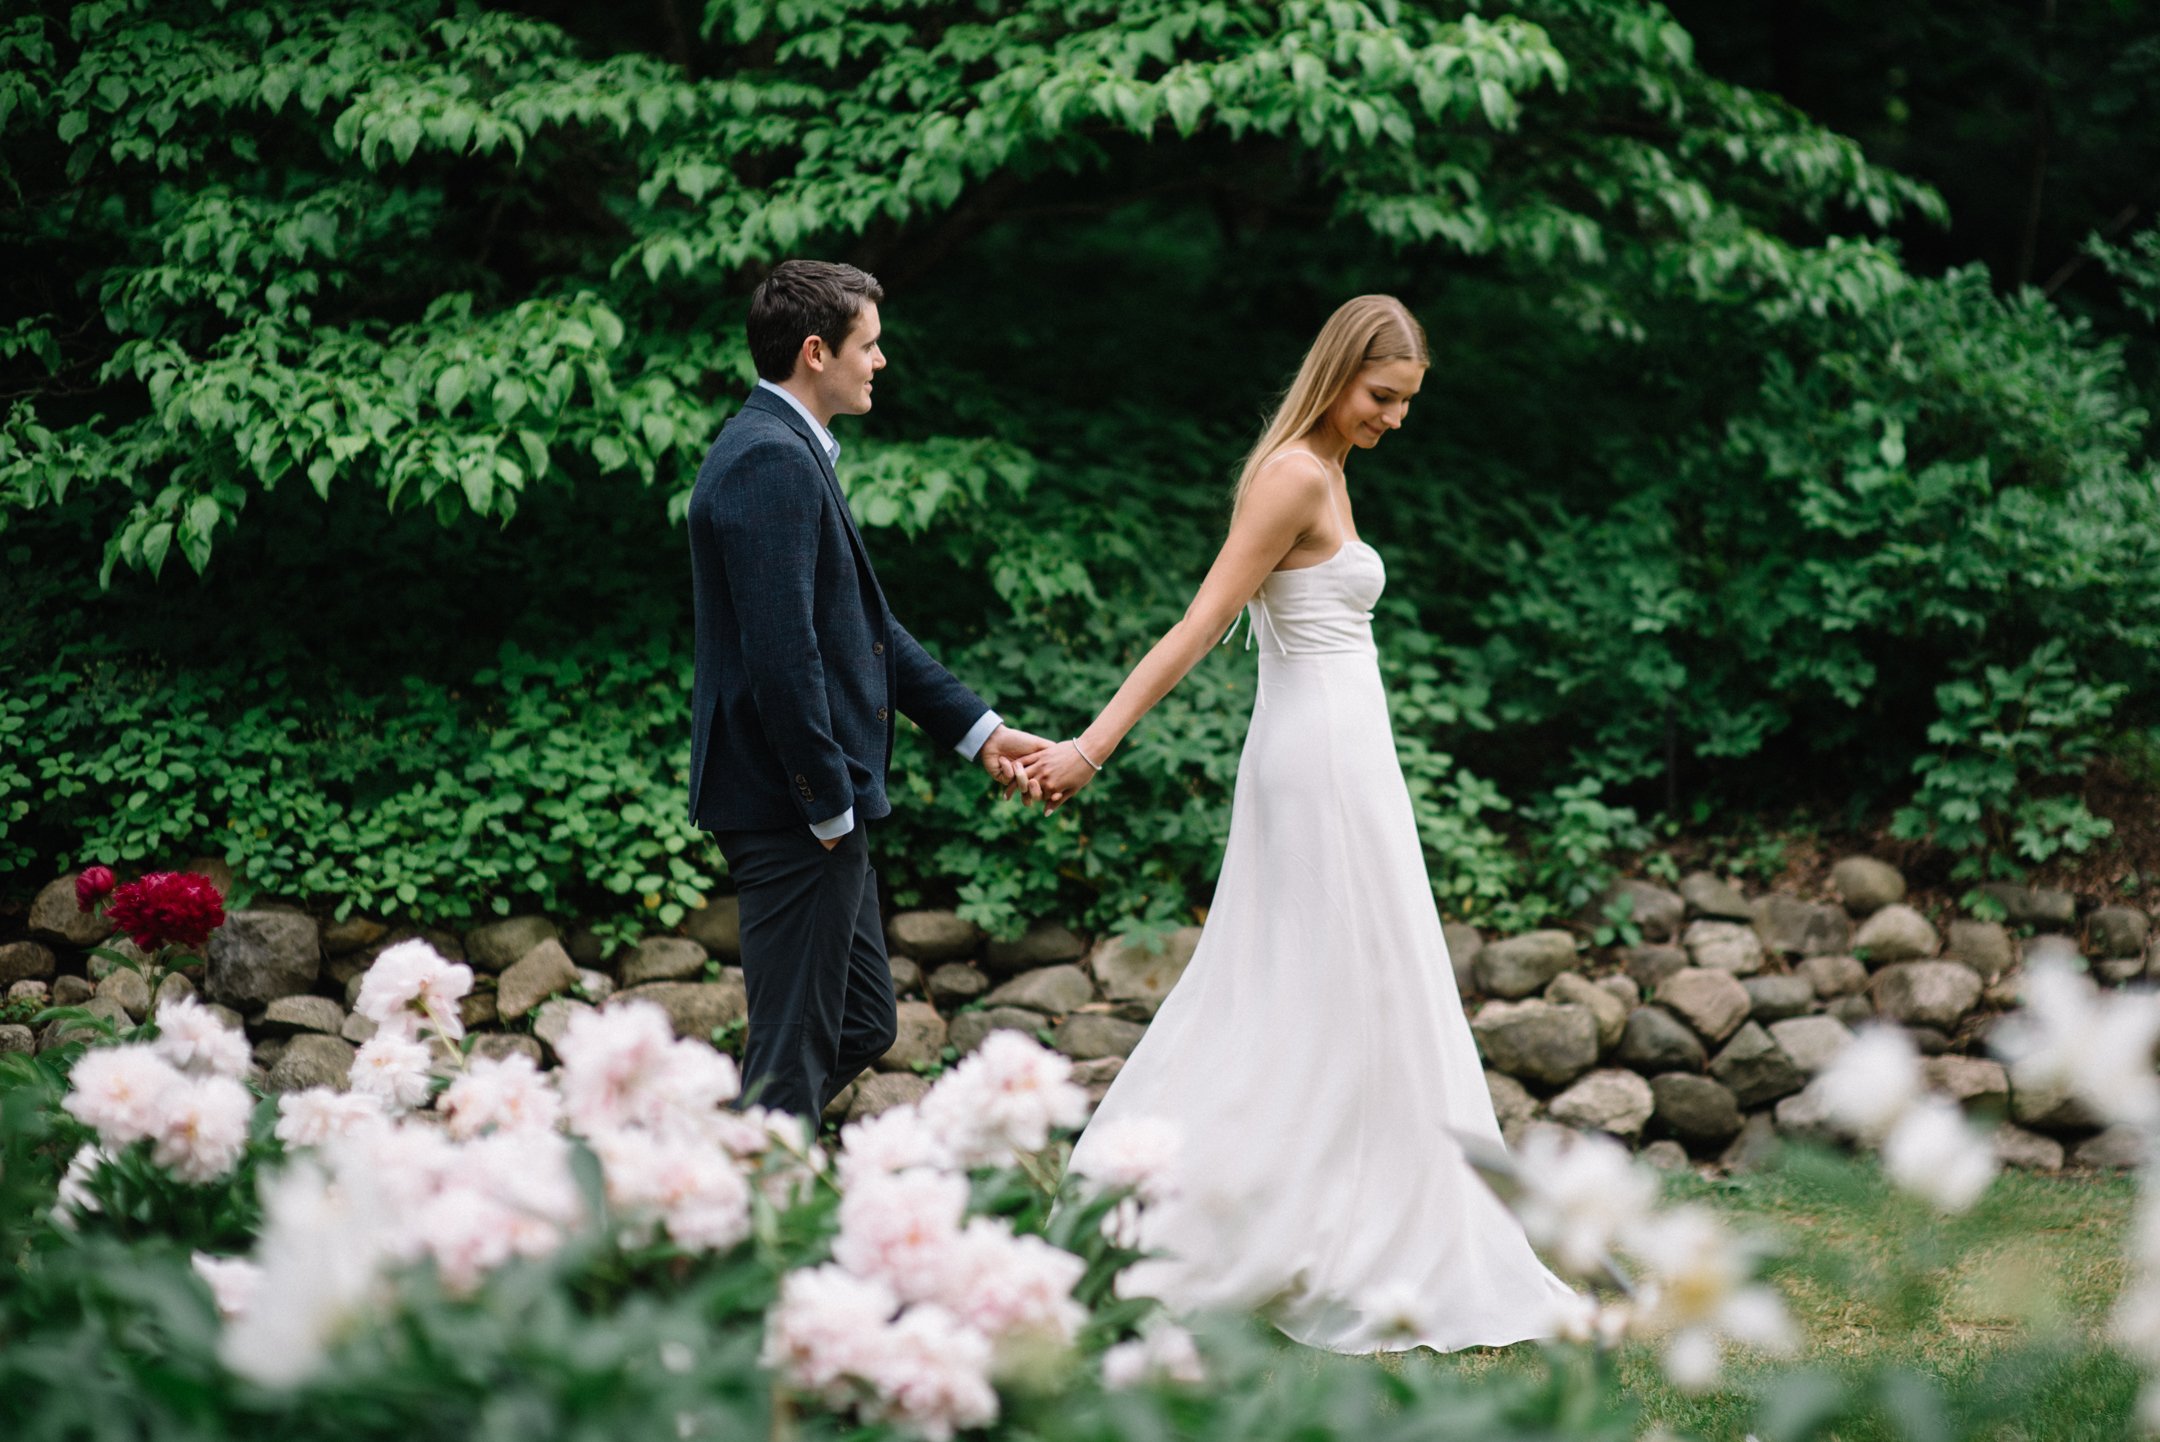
813 953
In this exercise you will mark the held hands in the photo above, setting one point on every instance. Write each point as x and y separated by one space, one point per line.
1057 772
1002 756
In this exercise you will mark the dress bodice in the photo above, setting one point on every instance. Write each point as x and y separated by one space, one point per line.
1315 610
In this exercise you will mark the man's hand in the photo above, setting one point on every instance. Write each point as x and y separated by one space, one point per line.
1001 756
1057 773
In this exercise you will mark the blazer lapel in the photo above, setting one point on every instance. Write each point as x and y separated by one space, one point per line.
763 400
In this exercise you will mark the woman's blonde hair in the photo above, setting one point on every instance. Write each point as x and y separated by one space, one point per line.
1368 330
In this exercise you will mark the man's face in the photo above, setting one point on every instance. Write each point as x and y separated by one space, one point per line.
844 380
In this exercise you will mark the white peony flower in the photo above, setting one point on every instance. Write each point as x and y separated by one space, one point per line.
1003 1098
506 1094
930 1372
902 1230
466 1233
1698 1294
1011 1288
192 1038
393 1067
411 985
120 1091
74 1195
203 1128
1579 1317
1399 1313
1163 1352
2098 1045
1580 1194
892 1141
1139 1154
1873 1082
618 1067
817 1335
696 1192
232 1281
321 1255
311 1117
1935 1154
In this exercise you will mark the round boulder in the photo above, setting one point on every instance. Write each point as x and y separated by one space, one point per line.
1775 998
1897 933
717 926
500 945
1755 1068
1054 990
1517 966
311 1060
259 956
1042 945
955 983
55 916
694 1008
2117 931
656 958
1128 970
1724 946
933 935
1657 1041
546 971
1086 1036
1813 1042
1696 1108
970 1027
1867 885
1536 1040
1619 1102
1655 912
919 1037
1985 946
1927 993
1573 988
1712 1002
1793 927
26 961
1835 976
1714 897
882 1091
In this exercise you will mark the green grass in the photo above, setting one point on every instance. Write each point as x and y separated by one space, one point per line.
1992 1324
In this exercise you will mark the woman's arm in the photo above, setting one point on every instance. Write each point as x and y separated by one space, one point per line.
1279 509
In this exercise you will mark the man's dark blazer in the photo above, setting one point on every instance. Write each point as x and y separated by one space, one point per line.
800 666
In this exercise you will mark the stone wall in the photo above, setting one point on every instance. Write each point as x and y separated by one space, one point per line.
1697 1042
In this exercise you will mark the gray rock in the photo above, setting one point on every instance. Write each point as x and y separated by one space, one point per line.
1517 966
500 945
934 935
1094 1077
35 992
1985 946
1896 933
1615 1101
130 989
55 917
585 947
1655 912
2118 1149
1835 976
2029 1151
258 956
225 1016
1657 1041
1967 1079
1803 1117
1041 945
311 1060
1928 1041
694 1008
594 986
717 926
496 1045
2046 1105
1755 1149
1755 1068
1055 990
71 991
1714 897
1085 1036
351 934
1813 1042
2117 931
882 1091
2037 907
1610 1012
477 1009
289 1015
358 1029
970 1027
553 1019
1624 988
1536 1040
174 987
956 984
836 1110
1712 1002
26 961
2120 970
1792 927
919 1038
1463 944
1852 1010
17 1040
1649 965
545 971
1665 1154
1513 1106
1127 971
1927 993
1695 1108
1866 885
266 1052
60 1033
1778 997
907 977
656 958
1724 946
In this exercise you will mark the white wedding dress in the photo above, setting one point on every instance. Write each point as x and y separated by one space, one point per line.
1314 1055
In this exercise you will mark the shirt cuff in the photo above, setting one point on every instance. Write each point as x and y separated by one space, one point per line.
834 827
971 745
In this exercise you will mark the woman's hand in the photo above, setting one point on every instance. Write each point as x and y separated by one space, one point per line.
1060 771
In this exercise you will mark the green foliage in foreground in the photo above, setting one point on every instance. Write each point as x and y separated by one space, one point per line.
404 328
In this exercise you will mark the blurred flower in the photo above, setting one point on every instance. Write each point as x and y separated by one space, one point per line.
1579 1317
1138 1154
120 1092
410 983
203 1127
902 1229
1873 1082
321 1253
2099 1046
192 1038
623 1066
929 1372
889 1142
1934 1153
1400 1315
502 1093
683 1184
74 1195
91 885
1163 1352
232 1281
314 1116
1004 1097
394 1067
167 908
816 1337
1698 1294
1580 1194
1011 1288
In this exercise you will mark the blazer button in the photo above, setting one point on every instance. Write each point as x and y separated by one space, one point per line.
801 780
882 713
877 648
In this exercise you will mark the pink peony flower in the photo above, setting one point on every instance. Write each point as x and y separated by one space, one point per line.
203 1128
693 1190
819 1336
889 1142
91 886
394 1068
1163 1352
317 1115
232 1281
120 1091
194 1040
930 1372
1011 1287
167 908
1003 1098
902 1229
504 1094
411 983
1138 1155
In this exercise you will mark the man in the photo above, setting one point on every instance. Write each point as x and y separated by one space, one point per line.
800 668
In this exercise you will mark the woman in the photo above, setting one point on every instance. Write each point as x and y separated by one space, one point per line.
1314 1055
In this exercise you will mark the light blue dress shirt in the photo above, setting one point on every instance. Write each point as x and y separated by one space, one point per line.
971 745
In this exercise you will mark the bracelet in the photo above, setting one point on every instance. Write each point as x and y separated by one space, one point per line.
1075 743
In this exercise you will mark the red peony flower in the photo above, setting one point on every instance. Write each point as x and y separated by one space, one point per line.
91 886
176 908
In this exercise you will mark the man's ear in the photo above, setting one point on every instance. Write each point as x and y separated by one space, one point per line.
813 355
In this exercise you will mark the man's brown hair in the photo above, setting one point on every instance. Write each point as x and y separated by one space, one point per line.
800 299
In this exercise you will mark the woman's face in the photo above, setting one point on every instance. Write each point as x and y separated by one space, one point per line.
1375 402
